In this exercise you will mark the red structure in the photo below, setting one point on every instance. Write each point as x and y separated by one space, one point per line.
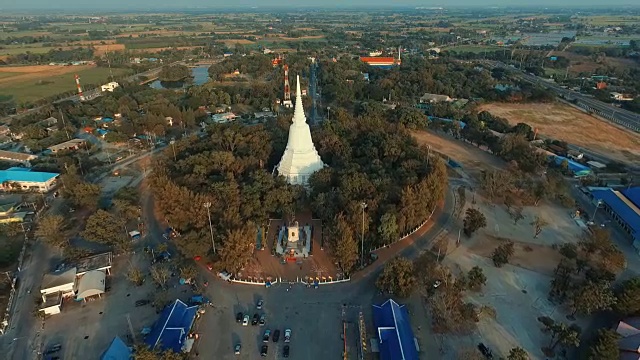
380 61
80 95
287 90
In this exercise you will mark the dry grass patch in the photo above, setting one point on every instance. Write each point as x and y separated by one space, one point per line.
563 122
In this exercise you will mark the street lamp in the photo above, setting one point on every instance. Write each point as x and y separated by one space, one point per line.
213 243
173 146
593 218
364 206
328 112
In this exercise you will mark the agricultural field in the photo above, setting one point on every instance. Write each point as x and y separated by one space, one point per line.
563 122
31 83
474 48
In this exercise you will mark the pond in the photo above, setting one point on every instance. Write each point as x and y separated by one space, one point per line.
200 76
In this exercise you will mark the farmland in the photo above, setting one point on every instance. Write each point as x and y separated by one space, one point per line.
563 122
44 81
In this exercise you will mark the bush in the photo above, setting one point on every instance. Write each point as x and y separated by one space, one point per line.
502 254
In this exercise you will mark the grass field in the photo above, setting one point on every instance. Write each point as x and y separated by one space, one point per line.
27 88
563 122
24 49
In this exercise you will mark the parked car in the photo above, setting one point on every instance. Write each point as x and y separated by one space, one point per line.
255 319
285 351
276 336
267 334
237 349
259 305
239 317
485 351
264 350
262 319
53 349
287 335
142 302
245 321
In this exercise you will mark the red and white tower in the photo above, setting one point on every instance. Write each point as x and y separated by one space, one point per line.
80 95
287 90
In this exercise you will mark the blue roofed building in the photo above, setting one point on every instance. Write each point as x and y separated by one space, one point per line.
118 350
396 340
623 207
576 168
171 329
23 179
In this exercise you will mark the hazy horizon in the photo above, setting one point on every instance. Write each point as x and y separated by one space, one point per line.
154 5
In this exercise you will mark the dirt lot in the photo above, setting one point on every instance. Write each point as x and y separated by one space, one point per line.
27 73
472 159
103 49
565 123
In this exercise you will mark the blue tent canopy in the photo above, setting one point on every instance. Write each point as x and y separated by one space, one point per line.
118 350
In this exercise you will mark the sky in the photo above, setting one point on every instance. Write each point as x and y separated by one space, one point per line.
151 5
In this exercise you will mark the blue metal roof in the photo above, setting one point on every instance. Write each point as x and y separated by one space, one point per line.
624 211
118 350
633 194
573 166
394 331
171 329
25 176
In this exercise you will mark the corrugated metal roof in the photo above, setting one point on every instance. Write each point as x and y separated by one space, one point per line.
171 329
628 212
394 331
26 176
633 194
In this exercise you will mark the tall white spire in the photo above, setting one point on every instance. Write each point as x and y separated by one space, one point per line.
298 113
300 158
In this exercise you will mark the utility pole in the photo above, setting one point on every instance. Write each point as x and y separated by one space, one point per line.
364 206
213 243
64 124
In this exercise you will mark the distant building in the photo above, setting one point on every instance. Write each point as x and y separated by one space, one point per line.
227 54
224 117
110 86
17 157
73 144
435 98
10 213
623 207
26 180
620 97
380 62
50 121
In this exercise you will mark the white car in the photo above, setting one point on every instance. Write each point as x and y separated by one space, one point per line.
287 335
245 321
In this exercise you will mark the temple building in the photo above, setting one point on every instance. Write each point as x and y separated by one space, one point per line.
300 158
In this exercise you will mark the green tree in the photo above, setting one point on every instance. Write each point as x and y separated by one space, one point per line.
104 227
627 296
397 277
135 275
473 221
516 214
561 334
51 228
518 353
605 347
602 251
538 224
238 247
591 297
388 229
142 352
344 245
502 254
476 278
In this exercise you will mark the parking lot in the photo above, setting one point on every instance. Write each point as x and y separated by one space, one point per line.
314 316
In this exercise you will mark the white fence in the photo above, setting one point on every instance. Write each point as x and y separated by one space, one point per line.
409 233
